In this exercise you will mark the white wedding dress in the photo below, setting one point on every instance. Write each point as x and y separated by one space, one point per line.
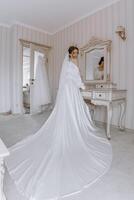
68 153
41 90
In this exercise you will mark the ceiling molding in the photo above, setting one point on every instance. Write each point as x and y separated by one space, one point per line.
5 25
31 27
84 16
61 28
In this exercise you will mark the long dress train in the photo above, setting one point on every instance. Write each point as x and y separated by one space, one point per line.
68 153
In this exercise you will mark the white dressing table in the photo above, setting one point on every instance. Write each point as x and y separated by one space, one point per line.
100 91
108 98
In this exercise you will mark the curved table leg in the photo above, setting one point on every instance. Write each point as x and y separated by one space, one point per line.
122 114
109 117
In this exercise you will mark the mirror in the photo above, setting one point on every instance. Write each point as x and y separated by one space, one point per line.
96 61
95 64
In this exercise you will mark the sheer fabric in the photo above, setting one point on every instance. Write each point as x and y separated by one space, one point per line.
41 91
68 153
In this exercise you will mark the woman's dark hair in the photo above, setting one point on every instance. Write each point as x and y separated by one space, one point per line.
71 49
101 60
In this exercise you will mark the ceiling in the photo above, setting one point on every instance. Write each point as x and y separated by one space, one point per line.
48 15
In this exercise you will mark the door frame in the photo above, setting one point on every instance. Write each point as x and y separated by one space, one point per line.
33 47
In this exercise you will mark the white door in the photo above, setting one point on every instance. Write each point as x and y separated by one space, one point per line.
29 69
26 78
35 51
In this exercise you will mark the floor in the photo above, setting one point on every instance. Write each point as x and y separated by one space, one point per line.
117 184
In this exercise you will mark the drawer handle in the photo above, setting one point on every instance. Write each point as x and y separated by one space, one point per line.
99 95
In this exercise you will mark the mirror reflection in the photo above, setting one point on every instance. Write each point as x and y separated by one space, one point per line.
95 64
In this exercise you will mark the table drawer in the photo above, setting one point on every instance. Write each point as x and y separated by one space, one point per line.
87 94
99 95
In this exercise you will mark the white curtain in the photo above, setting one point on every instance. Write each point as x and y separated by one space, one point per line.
5 79
41 91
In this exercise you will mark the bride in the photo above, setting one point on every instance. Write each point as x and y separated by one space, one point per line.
68 153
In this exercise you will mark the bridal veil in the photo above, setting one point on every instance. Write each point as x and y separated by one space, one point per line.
68 153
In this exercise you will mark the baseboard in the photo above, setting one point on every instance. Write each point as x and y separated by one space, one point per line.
6 113
113 127
99 123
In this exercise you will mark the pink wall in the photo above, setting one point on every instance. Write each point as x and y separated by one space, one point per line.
103 25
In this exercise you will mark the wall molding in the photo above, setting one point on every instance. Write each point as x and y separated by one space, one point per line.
5 25
85 16
31 27
62 27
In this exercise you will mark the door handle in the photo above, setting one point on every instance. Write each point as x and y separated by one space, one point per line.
32 81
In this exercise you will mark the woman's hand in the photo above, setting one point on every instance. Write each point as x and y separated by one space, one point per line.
83 87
